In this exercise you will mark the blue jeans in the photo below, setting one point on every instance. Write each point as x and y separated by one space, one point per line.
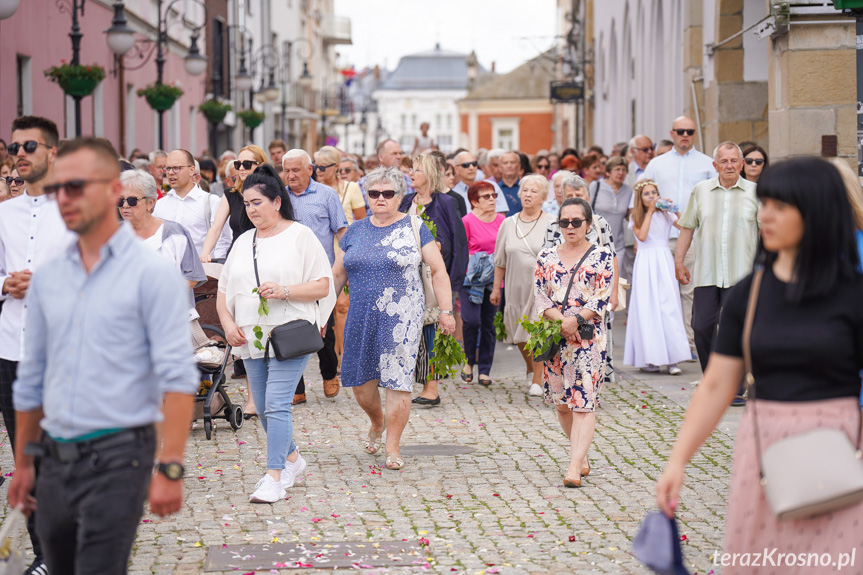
273 384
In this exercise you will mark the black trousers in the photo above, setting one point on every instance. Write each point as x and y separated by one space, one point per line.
8 371
707 304
90 508
326 356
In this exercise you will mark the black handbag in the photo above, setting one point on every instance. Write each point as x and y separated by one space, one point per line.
292 339
554 347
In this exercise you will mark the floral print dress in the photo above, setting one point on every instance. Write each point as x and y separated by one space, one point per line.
574 376
385 320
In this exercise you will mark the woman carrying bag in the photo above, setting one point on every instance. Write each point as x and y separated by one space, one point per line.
282 262
800 319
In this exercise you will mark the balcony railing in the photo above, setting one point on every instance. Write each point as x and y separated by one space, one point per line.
336 29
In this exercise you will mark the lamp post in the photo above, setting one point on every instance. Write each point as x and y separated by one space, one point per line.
75 6
244 80
304 81
364 126
195 62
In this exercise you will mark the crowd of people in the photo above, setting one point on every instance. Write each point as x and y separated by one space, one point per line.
359 248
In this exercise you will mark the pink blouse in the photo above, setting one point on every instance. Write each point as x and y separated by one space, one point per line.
481 235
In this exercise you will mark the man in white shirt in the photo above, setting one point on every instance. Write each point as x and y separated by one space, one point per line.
189 205
677 172
32 232
466 172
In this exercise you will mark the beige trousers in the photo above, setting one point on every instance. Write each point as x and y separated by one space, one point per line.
686 291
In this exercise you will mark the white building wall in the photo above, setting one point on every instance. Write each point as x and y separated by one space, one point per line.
638 46
402 112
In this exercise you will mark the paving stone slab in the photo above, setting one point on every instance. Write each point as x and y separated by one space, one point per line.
317 555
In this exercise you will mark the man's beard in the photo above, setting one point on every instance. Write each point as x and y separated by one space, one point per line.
37 172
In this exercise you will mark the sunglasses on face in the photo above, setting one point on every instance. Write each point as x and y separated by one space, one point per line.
131 200
493 196
749 162
29 147
576 223
14 180
346 170
467 165
542 166
74 188
246 164
324 168
687 132
387 194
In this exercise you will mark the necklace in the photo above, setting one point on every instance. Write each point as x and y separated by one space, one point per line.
269 235
518 229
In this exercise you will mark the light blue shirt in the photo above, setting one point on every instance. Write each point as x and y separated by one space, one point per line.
676 175
103 348
320 209
501 205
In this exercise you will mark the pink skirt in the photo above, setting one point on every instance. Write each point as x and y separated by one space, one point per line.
763 544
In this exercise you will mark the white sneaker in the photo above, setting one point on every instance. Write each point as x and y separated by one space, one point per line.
535 390
650 368
292 473
268 490
674 370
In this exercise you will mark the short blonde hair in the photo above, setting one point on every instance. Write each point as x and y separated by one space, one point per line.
852 188
431 168
328 155
537 179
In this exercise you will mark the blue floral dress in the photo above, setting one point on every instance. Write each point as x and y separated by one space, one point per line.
385 319
573 377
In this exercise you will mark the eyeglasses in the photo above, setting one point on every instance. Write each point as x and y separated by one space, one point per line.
131 200
17 181
74 188
324 168
467 165
749 162
492 195
542 166
346 170
646 150
246 164
29 147
576 223
687 132
387 194
173 169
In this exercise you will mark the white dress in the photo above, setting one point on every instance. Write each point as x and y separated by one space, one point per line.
655 333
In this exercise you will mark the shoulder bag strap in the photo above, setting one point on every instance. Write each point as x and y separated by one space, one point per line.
416 228
258 283
747 358
572 277
208 211
595 196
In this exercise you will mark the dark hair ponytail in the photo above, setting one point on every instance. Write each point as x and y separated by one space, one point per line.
266 180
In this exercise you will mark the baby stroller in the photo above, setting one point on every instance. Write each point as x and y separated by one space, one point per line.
212 354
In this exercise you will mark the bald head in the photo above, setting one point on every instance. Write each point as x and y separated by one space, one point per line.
465 167
683 131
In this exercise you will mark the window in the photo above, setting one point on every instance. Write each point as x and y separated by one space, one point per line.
24 85
505 133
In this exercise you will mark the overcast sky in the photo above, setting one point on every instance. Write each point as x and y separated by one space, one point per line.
508 32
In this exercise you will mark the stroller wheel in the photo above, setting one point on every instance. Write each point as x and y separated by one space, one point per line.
235 417
208 427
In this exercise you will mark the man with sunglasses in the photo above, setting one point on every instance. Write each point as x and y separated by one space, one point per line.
319 208
466 171
31 233
109 354
676 172
190 206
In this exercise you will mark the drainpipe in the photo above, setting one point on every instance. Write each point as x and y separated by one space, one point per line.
697 113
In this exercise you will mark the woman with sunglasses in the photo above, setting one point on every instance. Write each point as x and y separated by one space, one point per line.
754 162
382 256
15 183
541 166
477 312
231 207
573 376
233 210
327 161
136 204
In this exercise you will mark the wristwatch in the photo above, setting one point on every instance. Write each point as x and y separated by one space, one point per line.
580 319
172 470
446 311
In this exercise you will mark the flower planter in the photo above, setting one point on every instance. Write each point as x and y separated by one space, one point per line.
214 111
80 86
161 97
160 102
252 118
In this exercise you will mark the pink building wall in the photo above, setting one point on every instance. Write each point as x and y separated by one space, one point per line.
40 31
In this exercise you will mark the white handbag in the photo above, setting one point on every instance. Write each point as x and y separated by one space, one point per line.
833 477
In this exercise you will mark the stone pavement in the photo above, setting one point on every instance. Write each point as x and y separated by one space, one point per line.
500 509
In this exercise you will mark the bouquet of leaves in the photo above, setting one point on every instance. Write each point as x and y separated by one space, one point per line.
448 356
263 311
499 327
540 332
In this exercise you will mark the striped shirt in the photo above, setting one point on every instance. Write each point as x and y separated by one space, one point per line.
320 209
726 231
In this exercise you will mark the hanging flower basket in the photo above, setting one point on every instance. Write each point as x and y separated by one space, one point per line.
251 118
214 110
161 97
77 81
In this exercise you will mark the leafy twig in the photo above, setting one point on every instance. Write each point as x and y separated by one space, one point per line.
540 332
447 355
263 311
499 327
421 210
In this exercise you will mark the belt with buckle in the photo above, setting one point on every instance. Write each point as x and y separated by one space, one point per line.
69 451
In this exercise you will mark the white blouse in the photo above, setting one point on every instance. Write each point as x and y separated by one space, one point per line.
294 256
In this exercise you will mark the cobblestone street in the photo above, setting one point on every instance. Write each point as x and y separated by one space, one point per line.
500 509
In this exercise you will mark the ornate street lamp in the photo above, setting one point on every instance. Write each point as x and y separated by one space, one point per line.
120 35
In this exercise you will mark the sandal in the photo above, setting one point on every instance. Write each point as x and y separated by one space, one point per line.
467 376
394 462
374 440
486 382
